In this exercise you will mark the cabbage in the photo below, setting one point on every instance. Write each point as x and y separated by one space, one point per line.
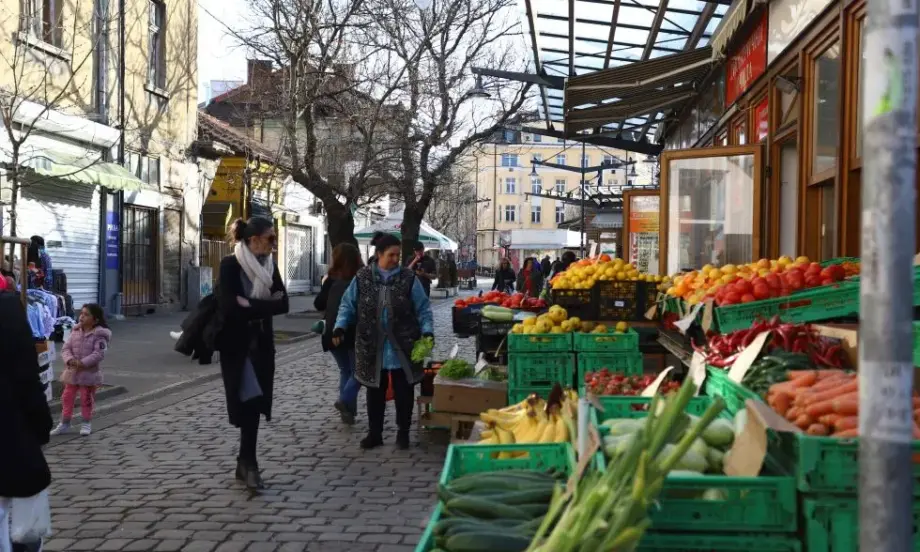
719 433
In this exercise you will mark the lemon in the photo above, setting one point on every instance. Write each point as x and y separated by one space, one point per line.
529 321
517 328
622 327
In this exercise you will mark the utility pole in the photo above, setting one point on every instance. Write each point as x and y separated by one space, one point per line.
889 126
494 197
583 188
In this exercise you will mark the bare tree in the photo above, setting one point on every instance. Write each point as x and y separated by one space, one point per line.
434 46
44 68
453 208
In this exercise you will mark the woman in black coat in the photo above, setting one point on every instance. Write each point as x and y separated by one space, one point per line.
504 277
251 293
346 261
23 407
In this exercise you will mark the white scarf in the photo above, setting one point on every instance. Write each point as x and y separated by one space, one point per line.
260 274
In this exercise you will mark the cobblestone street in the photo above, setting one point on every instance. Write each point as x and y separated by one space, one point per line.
163 481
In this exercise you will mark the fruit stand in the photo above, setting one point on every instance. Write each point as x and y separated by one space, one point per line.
770 383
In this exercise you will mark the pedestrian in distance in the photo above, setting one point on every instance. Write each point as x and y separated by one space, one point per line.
505 277
250 294
39 263
530 278
391 312
546 266
24 473
424 266
346 261
82 355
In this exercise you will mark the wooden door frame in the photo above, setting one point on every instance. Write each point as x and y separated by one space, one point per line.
664 206
627 199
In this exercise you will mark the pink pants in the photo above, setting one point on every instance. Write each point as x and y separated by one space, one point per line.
87 401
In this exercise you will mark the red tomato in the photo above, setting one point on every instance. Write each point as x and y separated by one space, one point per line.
732 298
813 268
827 282
762 291
743 287
773 281
812 280
748 298
460 303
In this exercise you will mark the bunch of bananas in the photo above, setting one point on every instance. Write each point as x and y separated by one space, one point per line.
533 420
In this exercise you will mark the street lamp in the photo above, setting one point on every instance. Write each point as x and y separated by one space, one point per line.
478 91
533 170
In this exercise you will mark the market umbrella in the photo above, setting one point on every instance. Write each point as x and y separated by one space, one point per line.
431 238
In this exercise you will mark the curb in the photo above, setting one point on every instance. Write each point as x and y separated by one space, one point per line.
296 339
106 393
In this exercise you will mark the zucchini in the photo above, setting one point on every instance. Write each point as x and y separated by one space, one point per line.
498 314
533 510
497 483
479 526
445 494
491 541
487 509
529 496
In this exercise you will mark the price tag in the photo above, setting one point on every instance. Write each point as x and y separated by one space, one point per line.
684 323
697 372
745 458
454 351
653 387
650 314
707 316
480 364
747 357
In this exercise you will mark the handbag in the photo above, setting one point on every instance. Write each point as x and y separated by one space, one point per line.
390 395
30 518
318 327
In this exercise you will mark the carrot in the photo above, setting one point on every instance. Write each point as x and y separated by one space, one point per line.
805 378
829 372
796 374
832 393
818 409
829 419
847 433
793 413
847 405
832 381
787 387
817 429
804 420
781 403
844 423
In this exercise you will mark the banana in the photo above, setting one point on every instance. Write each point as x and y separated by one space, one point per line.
548 433
562 431
504 438
486 434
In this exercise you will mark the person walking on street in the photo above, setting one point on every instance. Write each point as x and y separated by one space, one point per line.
545 266
24 410
391 311
82 355
530 278
346 261
504 277
424 266
40 276
250 294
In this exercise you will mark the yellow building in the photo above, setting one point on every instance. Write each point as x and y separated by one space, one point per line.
102 108
514 218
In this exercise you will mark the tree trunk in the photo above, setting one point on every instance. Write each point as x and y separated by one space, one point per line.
411 225
340 224
14 200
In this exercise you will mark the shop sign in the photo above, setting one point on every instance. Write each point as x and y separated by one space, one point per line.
747 63
762 120
112 230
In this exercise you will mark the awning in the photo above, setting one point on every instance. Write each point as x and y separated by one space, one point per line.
651 102
82 170
735 17
607 220
637 78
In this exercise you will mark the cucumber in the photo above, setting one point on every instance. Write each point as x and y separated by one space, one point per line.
445 494
479 526
491 541
530 496
498 314
533 510
496 483
530 526
487 509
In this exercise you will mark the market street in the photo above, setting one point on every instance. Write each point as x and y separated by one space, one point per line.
163 481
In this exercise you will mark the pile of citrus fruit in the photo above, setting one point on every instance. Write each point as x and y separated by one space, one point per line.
557 321
587 272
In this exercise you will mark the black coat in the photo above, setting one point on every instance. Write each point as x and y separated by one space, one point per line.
536 276
504 279
200 329
328 300
23 407
242 327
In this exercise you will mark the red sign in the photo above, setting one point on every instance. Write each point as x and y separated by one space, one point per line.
762 120
747 63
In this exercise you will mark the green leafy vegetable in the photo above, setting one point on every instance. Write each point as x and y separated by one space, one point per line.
422 349
456 368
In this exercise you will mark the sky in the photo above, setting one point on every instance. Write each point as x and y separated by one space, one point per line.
219 58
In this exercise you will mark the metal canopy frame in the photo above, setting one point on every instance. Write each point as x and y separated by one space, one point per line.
571 38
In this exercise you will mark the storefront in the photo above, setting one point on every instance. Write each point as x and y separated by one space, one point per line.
766 162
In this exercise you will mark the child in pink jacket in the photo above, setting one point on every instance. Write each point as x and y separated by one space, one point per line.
82 356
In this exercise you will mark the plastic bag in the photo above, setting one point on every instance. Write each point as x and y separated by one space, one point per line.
30 518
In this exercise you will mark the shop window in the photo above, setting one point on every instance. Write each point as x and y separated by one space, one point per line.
826 126
788 197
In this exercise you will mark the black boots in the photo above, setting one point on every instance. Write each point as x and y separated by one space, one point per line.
248 473
348 417
402 439
371 441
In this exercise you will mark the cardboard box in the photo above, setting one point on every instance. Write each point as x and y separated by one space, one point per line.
470 396
848 337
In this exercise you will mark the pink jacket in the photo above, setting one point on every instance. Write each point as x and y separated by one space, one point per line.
89 348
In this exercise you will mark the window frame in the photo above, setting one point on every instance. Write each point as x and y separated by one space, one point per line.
536 214
156 44
536 185
510 213
560 213
564 185
513 185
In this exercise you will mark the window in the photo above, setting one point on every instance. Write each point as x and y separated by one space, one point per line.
560 214
560 159
608 160
508 136
510 186
826 99
146 169
509 160
156 44
536 185
535 213
510 213
538 138
44 21
560 186
629 183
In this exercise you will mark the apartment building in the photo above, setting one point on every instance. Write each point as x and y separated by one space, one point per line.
100 98
519 214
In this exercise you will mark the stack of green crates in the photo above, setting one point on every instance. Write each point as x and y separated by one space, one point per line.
615 351
760 512
536 362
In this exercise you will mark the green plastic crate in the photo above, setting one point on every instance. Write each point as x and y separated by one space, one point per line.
464 459
823 303
518 394
687 542
832 524
540 370
539 343
916 343
719 385
839 260
625 363
672 304
610 342
760 504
